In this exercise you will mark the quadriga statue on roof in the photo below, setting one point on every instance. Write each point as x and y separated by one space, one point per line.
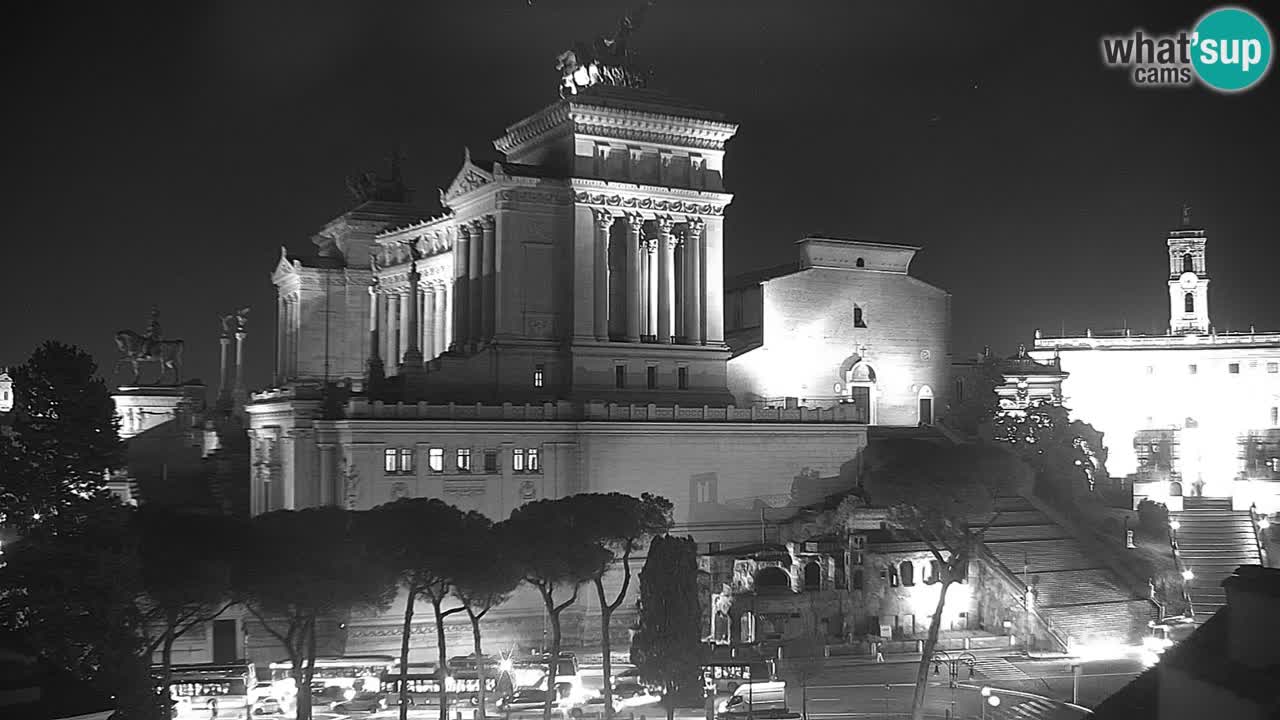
606 61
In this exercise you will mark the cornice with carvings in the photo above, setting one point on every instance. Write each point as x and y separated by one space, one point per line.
646 204
532 127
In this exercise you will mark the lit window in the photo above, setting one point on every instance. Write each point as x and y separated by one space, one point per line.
537 376
534 462
491 461
1191 369
389 460
682 378
517 460
464 459
406 460
893 577
435 459
620 376
651 377
1234 368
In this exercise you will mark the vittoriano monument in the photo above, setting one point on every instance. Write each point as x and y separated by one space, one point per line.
136 348
605 61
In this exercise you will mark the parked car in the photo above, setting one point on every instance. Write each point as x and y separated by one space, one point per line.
362 702
753 698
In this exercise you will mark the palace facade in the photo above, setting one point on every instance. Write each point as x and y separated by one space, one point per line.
1190 412
560 328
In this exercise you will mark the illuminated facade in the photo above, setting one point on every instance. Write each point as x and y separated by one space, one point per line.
1191 412
847 324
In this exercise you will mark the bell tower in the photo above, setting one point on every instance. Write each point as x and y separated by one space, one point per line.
1188 280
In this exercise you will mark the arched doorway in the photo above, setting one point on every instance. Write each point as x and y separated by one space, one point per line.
812 576
773 578
924 403
861 381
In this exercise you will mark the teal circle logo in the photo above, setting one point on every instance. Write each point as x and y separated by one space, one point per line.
1231 49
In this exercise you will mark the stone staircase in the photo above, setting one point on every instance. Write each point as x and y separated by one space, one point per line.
1078 594
1213 541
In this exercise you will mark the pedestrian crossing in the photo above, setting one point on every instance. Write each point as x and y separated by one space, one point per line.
1032 709
997 668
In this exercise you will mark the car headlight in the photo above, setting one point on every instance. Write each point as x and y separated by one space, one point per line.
349 693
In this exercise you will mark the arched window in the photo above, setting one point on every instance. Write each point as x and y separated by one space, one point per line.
1175 489
772 578
812 576
857 579
935 572
908 573
1188 264
860 263
858 320
1189 303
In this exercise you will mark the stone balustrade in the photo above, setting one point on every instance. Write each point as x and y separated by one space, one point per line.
361 408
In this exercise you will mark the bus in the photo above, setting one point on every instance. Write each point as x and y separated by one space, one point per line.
462 683
335 678
210 690
725 676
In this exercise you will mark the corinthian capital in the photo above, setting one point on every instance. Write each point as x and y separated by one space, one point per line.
488 223
693 227
664 223
604 219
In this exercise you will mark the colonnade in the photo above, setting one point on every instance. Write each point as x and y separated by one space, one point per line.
662 275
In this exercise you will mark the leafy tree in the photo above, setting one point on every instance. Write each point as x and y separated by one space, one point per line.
69 585
667 648
981 404
619 524
945 496
187 564
316 563
419 538
63 440
553 547
1067 456
485 578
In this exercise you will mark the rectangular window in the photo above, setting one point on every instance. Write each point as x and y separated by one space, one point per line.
682 378
517 459
620 376
491 461
651 377
389 460
1273 368
435 459
1234 368
464 459
534 462
1151 370
1275 416
537 376
406 460
1191 369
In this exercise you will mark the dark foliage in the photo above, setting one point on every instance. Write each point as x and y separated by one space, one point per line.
667 648
1153 519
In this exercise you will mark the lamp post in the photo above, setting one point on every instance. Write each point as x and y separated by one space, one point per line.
953 663
988 698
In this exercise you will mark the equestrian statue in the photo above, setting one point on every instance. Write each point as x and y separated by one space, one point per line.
136 348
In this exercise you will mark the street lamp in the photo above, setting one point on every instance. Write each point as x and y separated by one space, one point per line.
988 698
1174 525
942 657
1188 575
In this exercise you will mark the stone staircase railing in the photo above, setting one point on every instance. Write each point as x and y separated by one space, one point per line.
1020 588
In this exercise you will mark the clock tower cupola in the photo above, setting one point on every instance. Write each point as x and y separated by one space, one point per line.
1188 280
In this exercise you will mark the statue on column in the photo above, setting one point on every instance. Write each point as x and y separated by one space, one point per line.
606 61
136 348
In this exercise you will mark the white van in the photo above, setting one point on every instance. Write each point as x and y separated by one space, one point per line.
755 697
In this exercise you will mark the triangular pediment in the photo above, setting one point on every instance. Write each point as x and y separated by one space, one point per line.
470 177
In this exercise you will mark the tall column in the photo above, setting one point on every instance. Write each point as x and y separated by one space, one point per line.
291 340
450 331
604 221
405 334
412 333
428 322
224 393
393 328
238 390
654 270
488 283
375 350
474 328
693 281
461 286
633 278
666 280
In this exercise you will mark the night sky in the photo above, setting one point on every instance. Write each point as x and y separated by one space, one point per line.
162 153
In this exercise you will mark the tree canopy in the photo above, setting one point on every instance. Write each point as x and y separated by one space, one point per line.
667 648
1067 455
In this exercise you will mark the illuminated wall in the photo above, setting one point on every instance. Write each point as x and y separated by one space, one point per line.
849 318
1210 392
